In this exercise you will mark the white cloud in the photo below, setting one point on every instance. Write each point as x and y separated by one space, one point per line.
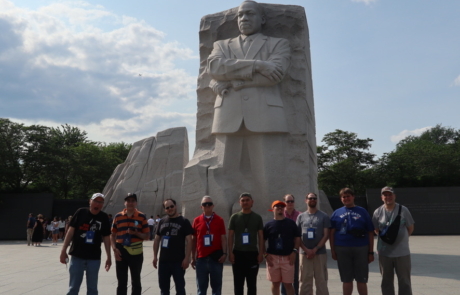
403 134
457 81
367 2
73 62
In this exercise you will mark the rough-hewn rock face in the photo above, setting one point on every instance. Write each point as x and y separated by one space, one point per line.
204 175
153 170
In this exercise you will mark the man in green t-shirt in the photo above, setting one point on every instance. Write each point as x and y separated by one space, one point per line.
245 238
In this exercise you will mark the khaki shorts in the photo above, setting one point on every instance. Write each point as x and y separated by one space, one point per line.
281 271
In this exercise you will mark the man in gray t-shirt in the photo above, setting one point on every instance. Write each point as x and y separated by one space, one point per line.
395 257
313 262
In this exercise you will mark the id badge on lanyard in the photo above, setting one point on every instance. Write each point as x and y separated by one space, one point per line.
165 242
207 240
89 237
245 238
311 233
279 243
343 229
127 240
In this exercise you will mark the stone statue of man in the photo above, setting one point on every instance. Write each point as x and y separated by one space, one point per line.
246 73
249 119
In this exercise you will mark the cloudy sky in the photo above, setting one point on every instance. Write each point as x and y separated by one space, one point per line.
124 70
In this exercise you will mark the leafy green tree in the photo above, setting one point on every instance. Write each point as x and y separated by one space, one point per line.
342 162
431 159
21 154
58 160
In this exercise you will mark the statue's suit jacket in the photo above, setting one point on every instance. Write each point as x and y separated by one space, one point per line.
253 98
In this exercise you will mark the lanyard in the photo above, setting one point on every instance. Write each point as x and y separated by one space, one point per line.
247 221
208 222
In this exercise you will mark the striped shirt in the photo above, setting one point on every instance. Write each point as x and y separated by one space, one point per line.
122 222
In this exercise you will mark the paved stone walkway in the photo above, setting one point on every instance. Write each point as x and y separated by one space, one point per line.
34 270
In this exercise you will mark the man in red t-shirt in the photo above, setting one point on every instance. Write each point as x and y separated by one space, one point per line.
209 248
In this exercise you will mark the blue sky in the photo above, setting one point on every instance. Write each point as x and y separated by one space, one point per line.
124 70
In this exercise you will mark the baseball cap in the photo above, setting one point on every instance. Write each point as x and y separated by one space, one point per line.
131 195
387 189
246 195
277 202
97 195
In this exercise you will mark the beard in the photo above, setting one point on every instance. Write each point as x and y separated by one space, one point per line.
313 205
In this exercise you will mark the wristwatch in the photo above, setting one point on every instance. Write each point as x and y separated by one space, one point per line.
295 250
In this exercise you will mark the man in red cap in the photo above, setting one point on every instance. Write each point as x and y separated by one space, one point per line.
283 238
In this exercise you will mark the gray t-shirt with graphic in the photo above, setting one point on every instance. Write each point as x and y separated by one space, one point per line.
401 245
318 222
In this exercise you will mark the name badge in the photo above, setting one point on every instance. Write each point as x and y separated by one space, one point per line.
89 237
127 240
343 228
165 243
279 244
245 238
311 233
207 240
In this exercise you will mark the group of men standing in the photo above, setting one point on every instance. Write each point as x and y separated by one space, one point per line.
293 245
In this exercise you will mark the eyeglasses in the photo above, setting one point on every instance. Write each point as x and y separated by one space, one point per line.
207 204
170 207
290 201
279 206
313 199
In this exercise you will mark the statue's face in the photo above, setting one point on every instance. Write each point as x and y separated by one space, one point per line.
250 20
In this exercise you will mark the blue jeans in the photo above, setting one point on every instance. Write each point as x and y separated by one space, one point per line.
165 271
76 269
207 268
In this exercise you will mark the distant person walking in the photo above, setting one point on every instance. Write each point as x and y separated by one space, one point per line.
88 228
151 223
38 231
55 227
30 228
394 257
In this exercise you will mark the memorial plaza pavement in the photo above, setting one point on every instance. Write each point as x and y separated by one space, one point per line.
36 270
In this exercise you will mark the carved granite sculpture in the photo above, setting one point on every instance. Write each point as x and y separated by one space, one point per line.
153 170
255 121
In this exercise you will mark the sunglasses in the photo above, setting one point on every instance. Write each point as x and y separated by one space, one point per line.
313 199
290 201
207 204
170 207
279 206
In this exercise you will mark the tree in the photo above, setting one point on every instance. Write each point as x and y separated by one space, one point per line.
431 159
58 160
21 154
342 162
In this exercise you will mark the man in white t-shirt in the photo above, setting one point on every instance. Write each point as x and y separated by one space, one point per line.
151 223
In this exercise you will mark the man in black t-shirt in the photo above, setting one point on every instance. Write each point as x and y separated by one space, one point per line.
283 238
174 236
88 228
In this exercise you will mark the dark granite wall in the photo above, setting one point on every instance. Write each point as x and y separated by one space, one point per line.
436 210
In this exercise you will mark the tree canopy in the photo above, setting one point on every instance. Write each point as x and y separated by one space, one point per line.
59 160
428 160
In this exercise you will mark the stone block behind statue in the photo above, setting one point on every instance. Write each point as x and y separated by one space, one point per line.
255 120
